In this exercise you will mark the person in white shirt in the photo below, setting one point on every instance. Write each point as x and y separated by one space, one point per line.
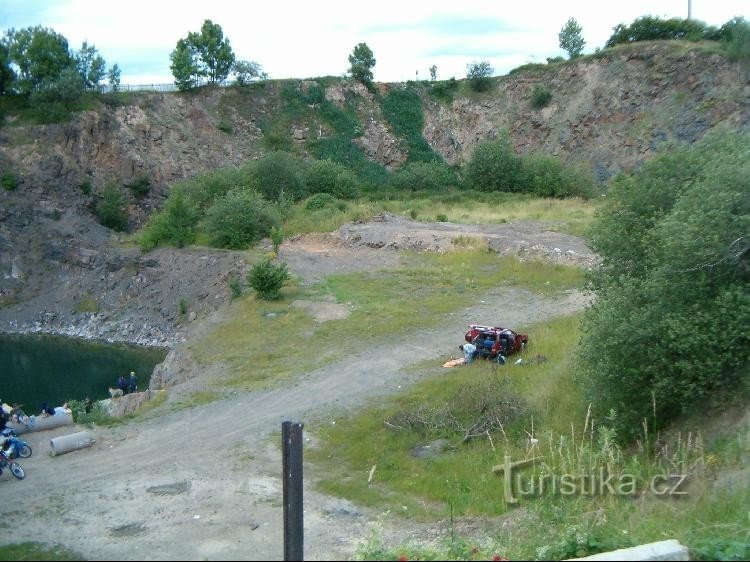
470 351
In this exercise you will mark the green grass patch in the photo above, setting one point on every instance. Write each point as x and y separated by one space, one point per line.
572 216
37 551
199 398
711 518
86 305
460 477
266 341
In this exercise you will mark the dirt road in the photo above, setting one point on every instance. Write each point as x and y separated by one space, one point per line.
203 483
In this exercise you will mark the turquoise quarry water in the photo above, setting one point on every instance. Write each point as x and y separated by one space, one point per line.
37 369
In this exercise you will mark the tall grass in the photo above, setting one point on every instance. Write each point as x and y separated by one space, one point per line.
572 216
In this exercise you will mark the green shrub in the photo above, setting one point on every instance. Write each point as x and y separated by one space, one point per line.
9 180
540 96
669 330
494 166
203 190
430 176
320 201
240 218
174 224
277 141
86 187
720 549
225 127
111 208
546 176
182 307
735 38
235 287
278 176
479 75
267 278
445 89
54 99
277 237
315 94
326 176
140 186
96 413
649 28
441 218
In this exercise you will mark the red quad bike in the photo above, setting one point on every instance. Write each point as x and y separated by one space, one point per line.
495 343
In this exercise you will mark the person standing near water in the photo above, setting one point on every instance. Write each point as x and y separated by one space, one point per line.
122 384
133 382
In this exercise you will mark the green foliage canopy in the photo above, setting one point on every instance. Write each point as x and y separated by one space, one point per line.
571 39
7 76
735 35
479 75
493 166
240 218
174 224
91 66
111 208
429 176
325 176
670 321
184 65
267 278
540 96
278 177
215 55
246 71
648 28
113 76
40 55
207 54
361 62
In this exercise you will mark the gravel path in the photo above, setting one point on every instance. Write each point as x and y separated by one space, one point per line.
203 483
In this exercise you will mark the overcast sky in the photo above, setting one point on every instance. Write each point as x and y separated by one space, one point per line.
308 39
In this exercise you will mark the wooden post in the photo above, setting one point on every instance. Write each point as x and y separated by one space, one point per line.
291 438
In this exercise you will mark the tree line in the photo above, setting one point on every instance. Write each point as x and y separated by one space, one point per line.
39 61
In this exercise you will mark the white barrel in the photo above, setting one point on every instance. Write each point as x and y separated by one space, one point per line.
73 442
38 423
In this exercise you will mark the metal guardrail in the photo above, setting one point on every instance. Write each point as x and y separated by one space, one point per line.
169 87
105 89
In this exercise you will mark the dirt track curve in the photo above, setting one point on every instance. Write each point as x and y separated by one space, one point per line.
203 483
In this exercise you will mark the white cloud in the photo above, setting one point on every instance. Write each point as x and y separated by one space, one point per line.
304 39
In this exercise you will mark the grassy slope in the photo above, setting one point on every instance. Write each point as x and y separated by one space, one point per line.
711 519
418 295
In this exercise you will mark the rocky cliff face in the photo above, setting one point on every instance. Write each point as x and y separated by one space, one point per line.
62 272
611 113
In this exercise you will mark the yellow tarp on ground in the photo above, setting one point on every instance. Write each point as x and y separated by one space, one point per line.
454 362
